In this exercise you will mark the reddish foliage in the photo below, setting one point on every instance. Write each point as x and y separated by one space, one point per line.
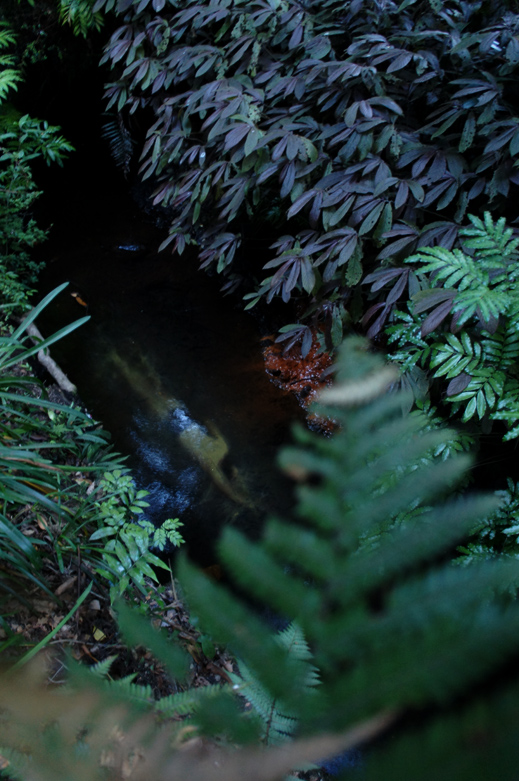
301 376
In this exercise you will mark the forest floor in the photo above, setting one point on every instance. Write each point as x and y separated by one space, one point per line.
91 636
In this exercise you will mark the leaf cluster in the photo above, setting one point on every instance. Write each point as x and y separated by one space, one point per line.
43 444
127 541
96 728
120 141
463 323
368 125
499 534
81 17
23 139
9 76
279 724
78 14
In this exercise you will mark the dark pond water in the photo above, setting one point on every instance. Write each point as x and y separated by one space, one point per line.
173 370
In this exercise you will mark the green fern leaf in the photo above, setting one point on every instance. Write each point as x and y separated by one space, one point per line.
186 702
450 267
482 300
9 80
508 409
455 355
102 668
494 243
502 349
7 37
120 141
278 724
80 15
377 487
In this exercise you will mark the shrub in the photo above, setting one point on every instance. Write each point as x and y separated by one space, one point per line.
469 336
359 122
22 140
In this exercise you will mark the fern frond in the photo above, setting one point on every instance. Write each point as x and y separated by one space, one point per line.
494 243
294 642
480 361
248 685
508 409
431 531
9 76
458 442
452 268
482 393
102 669
97 679
278 725
366 567
125 689
485 284
7 36
502 349
412 349
186 702
475 553
456 355
469 743
508 511
80 15
120 141
486 302
9 80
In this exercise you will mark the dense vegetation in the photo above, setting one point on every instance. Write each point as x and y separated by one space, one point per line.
386 631
377 144
357 131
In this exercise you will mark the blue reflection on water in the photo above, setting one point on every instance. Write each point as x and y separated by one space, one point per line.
172 490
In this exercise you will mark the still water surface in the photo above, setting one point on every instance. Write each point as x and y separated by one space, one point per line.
173 370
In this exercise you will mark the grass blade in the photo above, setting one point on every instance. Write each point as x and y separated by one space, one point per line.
54 632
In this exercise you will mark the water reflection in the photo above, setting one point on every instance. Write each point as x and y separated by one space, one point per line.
175 372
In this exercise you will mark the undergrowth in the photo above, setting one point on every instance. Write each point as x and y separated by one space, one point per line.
467 343
401 643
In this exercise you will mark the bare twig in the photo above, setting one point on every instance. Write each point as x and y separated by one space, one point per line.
49 363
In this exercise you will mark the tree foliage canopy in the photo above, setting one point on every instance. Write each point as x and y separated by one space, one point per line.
370 126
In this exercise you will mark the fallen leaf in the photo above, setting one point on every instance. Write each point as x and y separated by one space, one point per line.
87 652
64 586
